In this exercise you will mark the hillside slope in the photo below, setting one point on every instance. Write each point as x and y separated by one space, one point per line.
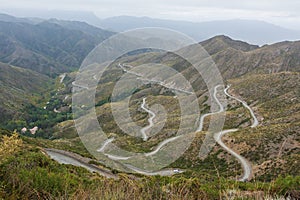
237 58
266 76
19 87
49 47
274 146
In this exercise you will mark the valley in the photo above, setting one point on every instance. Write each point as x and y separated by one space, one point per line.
255 154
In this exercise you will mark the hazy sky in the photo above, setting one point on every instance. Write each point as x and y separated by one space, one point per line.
281 12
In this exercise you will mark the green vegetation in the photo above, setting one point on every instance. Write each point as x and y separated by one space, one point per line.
39 100
30 108
29 174
20 87
273 146
50 47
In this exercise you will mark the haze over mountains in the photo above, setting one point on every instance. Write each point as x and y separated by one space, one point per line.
55 46
251 31
255 32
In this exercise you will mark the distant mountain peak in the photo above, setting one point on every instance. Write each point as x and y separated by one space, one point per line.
222 42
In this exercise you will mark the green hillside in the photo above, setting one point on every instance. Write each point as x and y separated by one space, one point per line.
38 68
27 173
20 87
46 47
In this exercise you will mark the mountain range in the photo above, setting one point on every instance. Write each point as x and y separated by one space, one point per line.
52 47
39 61
49 47
251 31
255 32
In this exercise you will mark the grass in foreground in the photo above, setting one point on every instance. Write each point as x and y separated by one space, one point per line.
26 173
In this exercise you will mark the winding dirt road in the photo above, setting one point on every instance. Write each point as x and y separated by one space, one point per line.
164 172
150 120
160 145
65 157
208 114
255 121
62 77
161 83
107 142
114 157
145 137
245 164
247 169
80 86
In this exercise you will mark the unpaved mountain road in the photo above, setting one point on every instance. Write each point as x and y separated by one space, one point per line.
150 120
